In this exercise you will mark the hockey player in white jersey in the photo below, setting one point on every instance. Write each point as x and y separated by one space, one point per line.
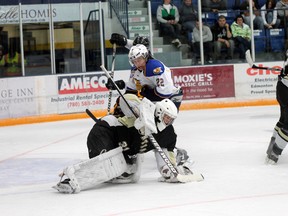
149 76
114 143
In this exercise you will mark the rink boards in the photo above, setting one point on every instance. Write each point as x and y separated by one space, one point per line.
67 96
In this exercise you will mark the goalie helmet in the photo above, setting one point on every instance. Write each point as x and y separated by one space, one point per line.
141 40
165 113
138 51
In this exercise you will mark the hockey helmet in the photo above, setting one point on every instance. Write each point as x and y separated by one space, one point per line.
141 40
165 113
137 51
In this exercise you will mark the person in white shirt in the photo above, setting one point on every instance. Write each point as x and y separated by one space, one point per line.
269 14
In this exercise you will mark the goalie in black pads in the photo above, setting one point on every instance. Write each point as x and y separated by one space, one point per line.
279 138
115 146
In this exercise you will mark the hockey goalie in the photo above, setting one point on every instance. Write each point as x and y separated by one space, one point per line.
116 145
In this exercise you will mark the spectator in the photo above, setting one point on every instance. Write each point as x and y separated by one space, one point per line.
214 5
207 41
256 16
188 15
2 61
168 17
59 61
282 10
242 36
12 62
269 15
222 38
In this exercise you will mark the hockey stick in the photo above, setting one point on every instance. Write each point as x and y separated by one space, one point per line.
112 76
90 114
252 65
180 177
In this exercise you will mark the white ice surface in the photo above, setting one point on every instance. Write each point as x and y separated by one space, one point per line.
228 146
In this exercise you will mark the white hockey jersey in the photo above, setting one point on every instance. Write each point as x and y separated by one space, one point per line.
157 76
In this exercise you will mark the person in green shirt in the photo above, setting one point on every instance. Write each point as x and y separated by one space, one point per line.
242 36
168 18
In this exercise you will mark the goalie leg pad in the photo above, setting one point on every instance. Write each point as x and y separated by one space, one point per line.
92 172
133 172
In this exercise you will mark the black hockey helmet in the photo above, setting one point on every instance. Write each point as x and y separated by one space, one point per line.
141 40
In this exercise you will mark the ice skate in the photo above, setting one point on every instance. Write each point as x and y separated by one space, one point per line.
271 158
270 147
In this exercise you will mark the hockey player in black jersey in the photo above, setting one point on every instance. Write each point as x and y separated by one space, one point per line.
279 138
115 145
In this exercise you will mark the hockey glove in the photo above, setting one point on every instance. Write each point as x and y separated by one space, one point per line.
120 83
145 91
181 156
149 93
118 39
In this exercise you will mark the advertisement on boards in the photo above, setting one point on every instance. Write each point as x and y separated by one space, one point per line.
17 97
205 82
78 92
256 83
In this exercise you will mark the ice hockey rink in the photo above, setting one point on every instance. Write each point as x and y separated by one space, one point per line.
228 146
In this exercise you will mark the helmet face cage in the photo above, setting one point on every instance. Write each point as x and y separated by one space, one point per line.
137 51
141 40
165 113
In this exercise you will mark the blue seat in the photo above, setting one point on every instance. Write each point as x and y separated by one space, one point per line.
154 6
260 40
209 18
237 3
276 39
176 2
230 4
261 2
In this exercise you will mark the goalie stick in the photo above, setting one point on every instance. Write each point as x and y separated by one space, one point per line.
252 65
180 177
112 76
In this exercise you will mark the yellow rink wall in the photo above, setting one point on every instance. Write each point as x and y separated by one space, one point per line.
25 100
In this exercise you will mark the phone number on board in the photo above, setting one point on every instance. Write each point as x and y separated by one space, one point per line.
85 103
